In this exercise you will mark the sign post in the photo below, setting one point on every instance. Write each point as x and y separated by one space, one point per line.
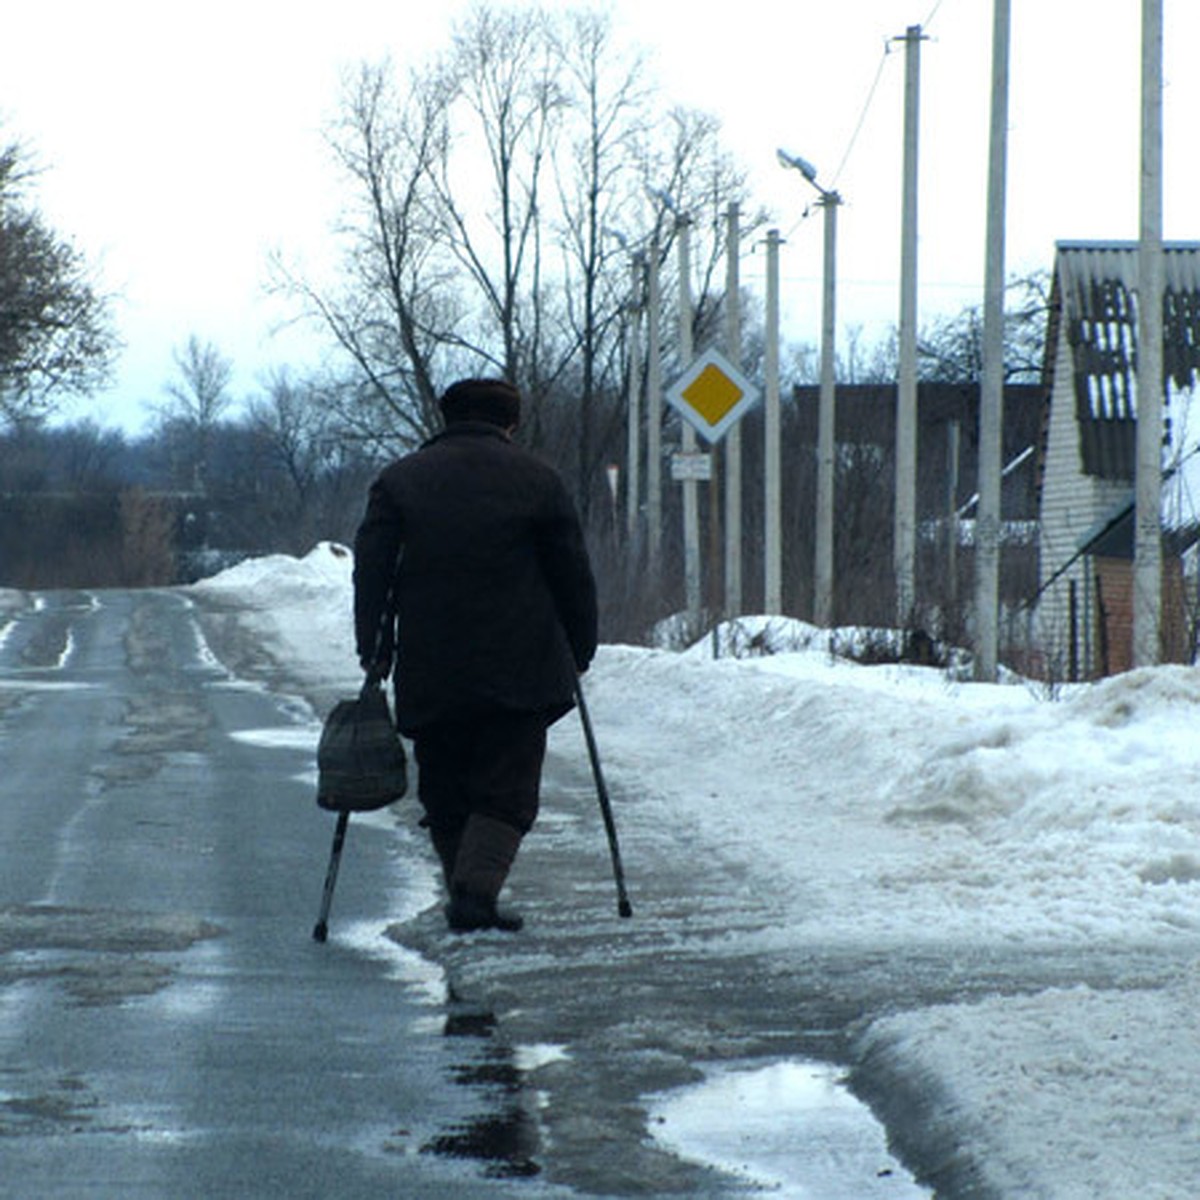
712 395
691 496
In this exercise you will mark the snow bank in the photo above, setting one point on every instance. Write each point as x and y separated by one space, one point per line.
1068 1093
959 812
301 608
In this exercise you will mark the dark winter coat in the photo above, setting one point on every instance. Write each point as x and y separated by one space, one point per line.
495 599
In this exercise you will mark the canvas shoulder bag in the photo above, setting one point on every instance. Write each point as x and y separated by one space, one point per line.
361 763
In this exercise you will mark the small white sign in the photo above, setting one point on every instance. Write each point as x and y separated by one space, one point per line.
691 466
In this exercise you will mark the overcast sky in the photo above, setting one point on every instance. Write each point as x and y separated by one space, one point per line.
183 142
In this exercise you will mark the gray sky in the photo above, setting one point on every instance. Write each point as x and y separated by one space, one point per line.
182 142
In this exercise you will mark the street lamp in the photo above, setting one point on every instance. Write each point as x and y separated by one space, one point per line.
800 164
823 565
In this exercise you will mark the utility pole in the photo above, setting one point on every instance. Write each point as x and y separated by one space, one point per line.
691 499
905 535
991 400
1147 558
633 463
953 439
826 418
654 402
826 410
772 539
733 439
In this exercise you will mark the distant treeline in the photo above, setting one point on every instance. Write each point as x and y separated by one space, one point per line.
85 507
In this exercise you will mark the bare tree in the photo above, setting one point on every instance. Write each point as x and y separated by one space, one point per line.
597 185
692 170
442 270
951 348
196 401
397 309
503 72
482 186
295 426
201 394
56 338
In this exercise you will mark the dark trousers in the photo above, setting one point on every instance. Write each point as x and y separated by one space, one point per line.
478 781
488 764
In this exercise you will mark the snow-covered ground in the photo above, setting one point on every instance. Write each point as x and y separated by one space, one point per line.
897 807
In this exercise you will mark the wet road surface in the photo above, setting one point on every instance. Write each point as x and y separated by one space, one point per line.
167 1026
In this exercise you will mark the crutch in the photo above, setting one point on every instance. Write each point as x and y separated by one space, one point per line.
321 928
624 908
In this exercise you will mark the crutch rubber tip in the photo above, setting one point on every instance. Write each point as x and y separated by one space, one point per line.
625 909
320 931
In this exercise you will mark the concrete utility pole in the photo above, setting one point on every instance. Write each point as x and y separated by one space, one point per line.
772 539
991 400
1147 561
953 440
905 536
691 500
826 411
633 476
733 439
826 424
654 403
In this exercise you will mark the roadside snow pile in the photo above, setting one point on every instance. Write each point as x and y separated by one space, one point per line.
1070 1093
302 608
767 636
12 601
326 570
905 808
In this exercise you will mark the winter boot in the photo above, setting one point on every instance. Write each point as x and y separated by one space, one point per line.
485 855
466 913
447 842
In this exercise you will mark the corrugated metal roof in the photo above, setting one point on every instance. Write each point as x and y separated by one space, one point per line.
1097 289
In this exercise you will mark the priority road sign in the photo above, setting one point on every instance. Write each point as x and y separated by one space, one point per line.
712 394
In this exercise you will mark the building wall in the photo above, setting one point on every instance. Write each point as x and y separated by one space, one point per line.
1114 605
1113 616
1073 506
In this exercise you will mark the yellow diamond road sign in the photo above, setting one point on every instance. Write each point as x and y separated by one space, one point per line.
712 394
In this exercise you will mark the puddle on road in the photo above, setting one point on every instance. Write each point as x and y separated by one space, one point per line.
504 1138
502 1134
792 1127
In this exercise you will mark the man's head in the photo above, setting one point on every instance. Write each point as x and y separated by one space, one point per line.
493 400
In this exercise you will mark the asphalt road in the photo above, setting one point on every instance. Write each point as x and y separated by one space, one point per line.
167 1026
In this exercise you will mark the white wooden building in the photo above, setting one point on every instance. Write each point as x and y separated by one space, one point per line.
1086 468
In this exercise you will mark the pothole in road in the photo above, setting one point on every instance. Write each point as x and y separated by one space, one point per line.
161 722
44 1106
96 955
156 724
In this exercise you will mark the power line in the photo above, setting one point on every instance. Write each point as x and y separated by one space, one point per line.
932 14
862 117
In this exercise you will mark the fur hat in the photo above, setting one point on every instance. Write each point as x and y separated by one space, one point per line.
494 400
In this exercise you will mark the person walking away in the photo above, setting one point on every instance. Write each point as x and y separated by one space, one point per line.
476 544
